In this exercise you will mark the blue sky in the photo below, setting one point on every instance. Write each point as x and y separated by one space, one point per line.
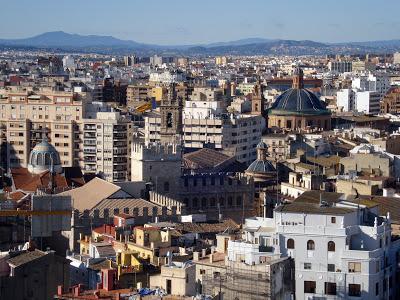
203 21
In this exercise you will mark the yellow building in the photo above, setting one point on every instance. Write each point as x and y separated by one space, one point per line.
159 93
149 243
128 262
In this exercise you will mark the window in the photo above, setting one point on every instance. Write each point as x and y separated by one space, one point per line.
310 245
377 289
331 246
166 186
354 290
333 220
330 288
239 201
212 202
354 267
290 244
204 203
309 287
307 266
331 267
195 202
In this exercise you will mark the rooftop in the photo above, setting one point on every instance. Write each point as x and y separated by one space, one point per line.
26 257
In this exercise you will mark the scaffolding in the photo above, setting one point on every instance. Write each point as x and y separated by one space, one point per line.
250 282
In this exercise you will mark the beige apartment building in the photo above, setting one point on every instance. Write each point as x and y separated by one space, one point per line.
100 145
25 116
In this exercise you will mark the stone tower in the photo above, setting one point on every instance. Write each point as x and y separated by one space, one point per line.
257 100
298 82
171 118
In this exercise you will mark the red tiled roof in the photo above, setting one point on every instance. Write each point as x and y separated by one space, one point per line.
25 181
105 229
18 195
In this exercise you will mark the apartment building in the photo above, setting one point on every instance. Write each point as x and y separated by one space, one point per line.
206 122
83 134
25 116
342 250
107 145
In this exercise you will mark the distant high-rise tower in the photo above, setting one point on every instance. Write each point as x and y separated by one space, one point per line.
171 117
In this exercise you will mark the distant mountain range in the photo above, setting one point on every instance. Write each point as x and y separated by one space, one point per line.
59 40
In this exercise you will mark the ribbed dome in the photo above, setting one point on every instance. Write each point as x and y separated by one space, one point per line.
261 166
298 102
43 157
262 145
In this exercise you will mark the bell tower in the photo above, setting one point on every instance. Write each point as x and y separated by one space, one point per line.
298 82
171 117
257 99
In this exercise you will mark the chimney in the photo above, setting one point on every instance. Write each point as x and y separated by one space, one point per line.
196 255
203 252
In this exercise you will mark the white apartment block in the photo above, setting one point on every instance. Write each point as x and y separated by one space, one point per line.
206 121
107 143
237 135
341 250
379 83
357 100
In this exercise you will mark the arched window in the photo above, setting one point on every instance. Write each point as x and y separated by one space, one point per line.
204 202
166 186
47 159
230 201
39 159
310 245
290 244
186 202
195 202
331 246
239 201
212 202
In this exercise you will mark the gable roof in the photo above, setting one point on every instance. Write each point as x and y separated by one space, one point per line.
91 194
25 257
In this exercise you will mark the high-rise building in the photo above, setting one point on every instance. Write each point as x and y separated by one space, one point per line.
26 115
106 146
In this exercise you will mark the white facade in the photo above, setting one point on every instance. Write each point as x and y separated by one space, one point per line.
345 99
68 62
237 135
204 103
367 102
358 100
167 77
340 252
106 141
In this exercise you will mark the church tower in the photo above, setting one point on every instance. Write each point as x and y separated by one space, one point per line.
298 81
171 117
257 99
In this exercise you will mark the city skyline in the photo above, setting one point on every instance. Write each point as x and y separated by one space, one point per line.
204 22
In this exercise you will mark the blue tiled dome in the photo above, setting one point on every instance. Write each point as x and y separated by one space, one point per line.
44 156
298 102
261 166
